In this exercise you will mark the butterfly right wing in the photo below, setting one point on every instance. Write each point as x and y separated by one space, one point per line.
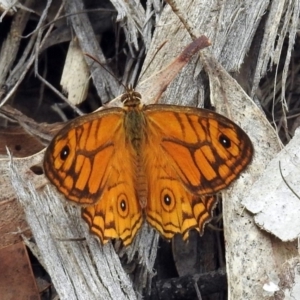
91 164
189 154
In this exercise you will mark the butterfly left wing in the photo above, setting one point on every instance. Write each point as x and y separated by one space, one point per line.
189 154
90 162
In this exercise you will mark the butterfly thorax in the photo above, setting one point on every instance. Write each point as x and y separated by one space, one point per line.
135 134
134 121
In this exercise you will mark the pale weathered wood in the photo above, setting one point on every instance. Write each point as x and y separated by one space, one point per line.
267 199
105 83
10 46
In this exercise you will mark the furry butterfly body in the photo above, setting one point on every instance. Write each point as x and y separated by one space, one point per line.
159 162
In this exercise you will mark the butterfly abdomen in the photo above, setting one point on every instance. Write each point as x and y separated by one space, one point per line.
141 181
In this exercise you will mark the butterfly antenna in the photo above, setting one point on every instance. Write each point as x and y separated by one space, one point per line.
156 52
106 69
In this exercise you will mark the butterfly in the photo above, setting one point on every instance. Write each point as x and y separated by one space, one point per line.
159 163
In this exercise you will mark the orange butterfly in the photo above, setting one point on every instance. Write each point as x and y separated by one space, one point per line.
157 162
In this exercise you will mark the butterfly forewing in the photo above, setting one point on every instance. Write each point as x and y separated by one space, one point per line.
206 150
77 159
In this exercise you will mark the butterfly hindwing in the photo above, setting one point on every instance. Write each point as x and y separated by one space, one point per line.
118 213
171 208
175 210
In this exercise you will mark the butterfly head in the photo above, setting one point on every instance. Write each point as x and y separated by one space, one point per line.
131 98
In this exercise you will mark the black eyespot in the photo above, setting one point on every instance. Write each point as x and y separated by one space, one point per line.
167 199
64 153
225 141
123 205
